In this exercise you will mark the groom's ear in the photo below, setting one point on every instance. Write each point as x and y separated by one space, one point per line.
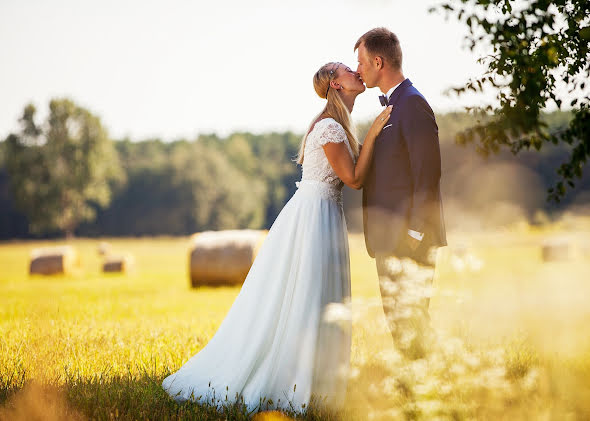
379 62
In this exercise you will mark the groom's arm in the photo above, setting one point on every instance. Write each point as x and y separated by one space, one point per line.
420 133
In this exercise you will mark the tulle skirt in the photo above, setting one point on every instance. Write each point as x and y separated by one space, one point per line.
287 336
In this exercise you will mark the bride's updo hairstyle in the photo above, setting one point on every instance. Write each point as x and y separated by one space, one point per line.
334 108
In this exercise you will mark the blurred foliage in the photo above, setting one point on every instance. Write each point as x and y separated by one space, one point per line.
60 169
537 48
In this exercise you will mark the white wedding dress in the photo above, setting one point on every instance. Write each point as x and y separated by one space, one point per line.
287 336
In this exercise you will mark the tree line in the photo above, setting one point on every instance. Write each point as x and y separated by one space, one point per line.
65 176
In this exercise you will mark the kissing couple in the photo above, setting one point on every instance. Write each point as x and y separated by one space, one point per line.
286 340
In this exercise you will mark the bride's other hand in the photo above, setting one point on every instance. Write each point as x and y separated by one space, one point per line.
380 121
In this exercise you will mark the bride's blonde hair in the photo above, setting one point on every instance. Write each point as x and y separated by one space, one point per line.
334 108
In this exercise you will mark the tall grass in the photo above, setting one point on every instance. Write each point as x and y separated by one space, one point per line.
512 335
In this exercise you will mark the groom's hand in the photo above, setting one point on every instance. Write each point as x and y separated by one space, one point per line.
415 239
413 243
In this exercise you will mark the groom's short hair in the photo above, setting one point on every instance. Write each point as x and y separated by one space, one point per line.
382 42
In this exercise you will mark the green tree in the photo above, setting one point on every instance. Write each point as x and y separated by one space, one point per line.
60 169
536 46
268 158
219 195
178 188
2 153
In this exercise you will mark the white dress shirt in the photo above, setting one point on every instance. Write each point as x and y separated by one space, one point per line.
388 94
414 234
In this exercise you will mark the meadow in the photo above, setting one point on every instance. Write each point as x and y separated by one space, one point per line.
512 333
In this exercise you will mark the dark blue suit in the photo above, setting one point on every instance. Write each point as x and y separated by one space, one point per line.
402 190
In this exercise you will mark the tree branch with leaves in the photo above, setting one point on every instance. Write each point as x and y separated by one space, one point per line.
539 56
61 170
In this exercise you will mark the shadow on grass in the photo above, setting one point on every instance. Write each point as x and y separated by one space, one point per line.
129 398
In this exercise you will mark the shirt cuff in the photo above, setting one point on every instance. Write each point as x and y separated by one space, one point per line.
415 234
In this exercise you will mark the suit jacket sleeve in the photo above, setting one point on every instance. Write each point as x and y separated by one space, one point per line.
420 133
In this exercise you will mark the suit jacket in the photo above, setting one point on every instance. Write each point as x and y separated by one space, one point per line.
402 189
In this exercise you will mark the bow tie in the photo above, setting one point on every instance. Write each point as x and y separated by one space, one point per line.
383 100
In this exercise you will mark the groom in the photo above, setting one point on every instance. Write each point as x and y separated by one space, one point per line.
402 209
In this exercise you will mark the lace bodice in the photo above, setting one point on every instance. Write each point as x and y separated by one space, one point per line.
315 164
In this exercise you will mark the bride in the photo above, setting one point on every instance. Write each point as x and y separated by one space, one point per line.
279 343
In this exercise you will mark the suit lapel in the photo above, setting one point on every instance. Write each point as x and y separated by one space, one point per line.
398 91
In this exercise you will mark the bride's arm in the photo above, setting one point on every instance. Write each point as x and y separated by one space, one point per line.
339 158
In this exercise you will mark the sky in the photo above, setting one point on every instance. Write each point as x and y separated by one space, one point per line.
179 68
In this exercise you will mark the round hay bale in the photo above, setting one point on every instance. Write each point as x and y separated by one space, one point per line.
223 257
119 264
54 260
555 251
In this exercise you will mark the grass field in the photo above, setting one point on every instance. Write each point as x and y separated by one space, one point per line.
513 334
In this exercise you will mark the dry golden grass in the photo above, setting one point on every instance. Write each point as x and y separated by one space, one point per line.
513 335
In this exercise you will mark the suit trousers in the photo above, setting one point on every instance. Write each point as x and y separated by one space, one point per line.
405 281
